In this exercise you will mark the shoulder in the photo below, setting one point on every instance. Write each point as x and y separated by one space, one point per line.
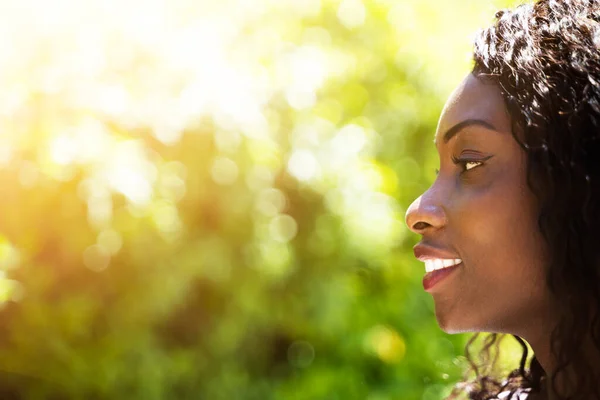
519 394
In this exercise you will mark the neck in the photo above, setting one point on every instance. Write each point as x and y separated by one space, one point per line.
565 383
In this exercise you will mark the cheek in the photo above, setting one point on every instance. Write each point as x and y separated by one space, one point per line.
504 252
499 217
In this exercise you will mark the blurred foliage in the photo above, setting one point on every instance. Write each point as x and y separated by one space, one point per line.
205 200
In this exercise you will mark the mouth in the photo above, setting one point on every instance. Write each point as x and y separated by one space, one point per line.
438 269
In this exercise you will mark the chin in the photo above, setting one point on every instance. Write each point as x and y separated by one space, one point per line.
454 330
453 327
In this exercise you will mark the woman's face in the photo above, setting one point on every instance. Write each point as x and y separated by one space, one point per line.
480 210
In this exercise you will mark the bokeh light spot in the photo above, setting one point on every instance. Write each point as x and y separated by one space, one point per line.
301 354
11 290
283 228
100 207
270 202
10 257
130 173
63 150
96 258
349 141
303 165
110 240
385 343
352 13
259 177
166 218
224 171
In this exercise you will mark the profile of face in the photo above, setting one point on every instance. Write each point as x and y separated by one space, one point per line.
480 210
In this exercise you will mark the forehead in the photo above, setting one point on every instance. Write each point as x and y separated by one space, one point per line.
474 98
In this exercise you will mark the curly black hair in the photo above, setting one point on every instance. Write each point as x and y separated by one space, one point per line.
545 58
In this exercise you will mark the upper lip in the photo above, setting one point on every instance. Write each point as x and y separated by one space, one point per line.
425 252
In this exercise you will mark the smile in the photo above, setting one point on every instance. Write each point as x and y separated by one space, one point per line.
435 264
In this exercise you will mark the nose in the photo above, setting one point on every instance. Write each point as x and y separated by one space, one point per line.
426 213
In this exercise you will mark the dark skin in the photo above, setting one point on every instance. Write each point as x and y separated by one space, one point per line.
481 209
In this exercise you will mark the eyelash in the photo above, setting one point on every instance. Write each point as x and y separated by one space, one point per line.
464 161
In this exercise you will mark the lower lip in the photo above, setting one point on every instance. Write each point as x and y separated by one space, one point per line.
432 278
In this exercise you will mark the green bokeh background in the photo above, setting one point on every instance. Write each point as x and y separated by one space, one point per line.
206 200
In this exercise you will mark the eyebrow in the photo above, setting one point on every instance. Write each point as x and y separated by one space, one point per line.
450 133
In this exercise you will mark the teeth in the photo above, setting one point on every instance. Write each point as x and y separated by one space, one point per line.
438 263
447 263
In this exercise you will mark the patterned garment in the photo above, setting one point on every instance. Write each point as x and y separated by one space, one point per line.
520 394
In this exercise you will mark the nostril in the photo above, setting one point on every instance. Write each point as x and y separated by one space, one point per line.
419 226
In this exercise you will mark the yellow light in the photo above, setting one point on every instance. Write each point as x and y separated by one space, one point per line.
386 344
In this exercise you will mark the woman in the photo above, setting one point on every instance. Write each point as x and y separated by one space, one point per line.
509 228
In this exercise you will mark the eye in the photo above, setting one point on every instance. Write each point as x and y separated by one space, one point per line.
471 164
468 164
